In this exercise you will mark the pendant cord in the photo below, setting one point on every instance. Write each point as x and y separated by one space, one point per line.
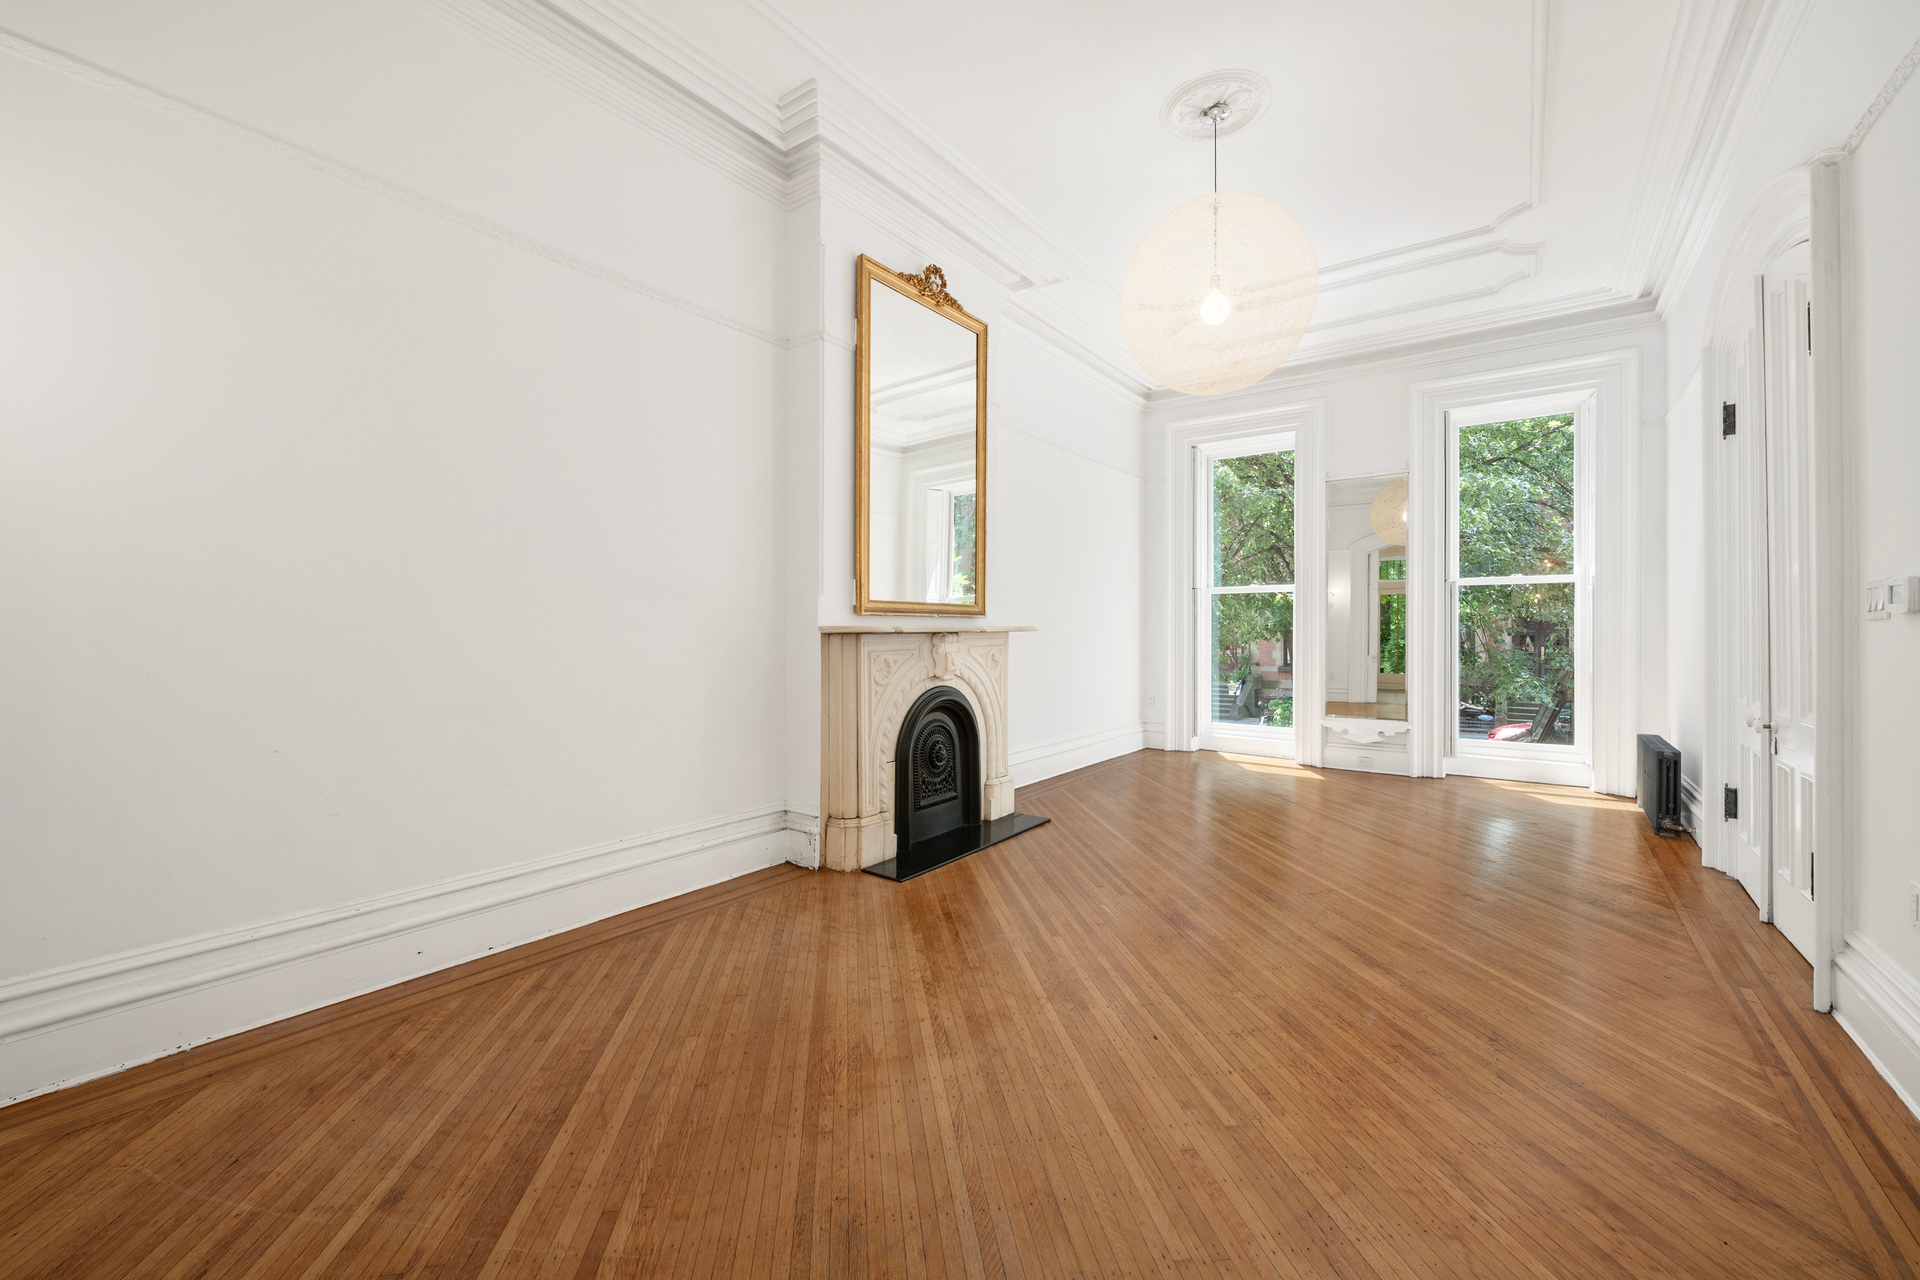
1216 202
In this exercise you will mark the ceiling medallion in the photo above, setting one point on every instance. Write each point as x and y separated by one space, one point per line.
1222 289
1184 113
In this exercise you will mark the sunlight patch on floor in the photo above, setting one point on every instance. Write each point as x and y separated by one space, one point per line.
1270 764
1576 797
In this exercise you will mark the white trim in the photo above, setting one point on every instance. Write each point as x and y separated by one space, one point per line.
1721 61
1883 100
1834 562
1278 744
1878 1004
1556 772
1692 810
61 1026
1051 757
1305 419
1612 380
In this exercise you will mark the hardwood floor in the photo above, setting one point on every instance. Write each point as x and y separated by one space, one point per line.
1219 1017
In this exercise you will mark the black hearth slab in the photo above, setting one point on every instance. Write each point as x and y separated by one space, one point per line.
958 843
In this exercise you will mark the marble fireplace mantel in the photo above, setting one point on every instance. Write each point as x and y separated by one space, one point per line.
871 673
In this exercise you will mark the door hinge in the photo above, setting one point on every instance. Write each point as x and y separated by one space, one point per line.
1729 803
1726 420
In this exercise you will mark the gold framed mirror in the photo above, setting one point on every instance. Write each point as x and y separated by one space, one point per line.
920 447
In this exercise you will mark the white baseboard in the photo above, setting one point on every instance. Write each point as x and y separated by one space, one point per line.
1558 773
1878 1003
1076 751
803 838
61 1026
1690 802
1378 757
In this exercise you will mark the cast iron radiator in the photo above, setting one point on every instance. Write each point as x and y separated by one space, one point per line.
1660 783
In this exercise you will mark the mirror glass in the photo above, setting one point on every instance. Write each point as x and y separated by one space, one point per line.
1367 597
921 441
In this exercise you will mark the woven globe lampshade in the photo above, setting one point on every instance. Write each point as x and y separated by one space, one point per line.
1388 514
1219 293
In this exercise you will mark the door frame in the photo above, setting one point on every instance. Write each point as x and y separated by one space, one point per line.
1186 438
1809 202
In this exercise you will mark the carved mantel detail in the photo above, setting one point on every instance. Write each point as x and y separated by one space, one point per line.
870 677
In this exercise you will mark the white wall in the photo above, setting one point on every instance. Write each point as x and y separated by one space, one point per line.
1879 992
401 461
1368 425
1065 461
1842 58
334 533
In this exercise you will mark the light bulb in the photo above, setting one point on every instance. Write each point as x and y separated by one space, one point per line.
1216 307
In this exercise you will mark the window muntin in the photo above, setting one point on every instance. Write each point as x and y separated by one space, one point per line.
1515 591
1250 606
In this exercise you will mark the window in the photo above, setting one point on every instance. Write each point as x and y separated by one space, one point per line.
1515 585
1392 592
1247 585
947 555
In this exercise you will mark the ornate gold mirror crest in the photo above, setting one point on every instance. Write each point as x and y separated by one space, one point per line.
920 446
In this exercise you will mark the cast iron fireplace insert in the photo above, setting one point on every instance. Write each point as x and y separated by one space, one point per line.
936 789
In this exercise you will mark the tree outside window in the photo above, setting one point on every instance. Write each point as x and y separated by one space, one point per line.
1253 547
1516 587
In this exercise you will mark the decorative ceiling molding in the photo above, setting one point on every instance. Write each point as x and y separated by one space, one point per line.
1349 274
1246 94
1723 57
146 95
846 133
733 132
1425 304
1591 314
913 155
1884 99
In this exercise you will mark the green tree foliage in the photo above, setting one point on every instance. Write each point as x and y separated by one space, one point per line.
1253 520
1516 517
1253 513
960 585
1393 621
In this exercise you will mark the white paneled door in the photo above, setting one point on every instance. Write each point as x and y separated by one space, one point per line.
1767 599
1787 310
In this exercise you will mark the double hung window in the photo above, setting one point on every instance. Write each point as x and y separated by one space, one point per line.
1516 588
1246 614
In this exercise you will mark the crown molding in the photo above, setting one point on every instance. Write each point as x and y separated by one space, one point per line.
1593 314
1041 317
730 131
1723 57
843 134
1883 99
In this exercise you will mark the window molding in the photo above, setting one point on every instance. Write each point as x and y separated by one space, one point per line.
1610 383
1185 439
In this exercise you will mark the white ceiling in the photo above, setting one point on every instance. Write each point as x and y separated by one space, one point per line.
1457 164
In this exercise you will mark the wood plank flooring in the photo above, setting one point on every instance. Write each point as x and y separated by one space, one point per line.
1220 1017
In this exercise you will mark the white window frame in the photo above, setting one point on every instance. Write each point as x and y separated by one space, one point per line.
1546 762
1610 381
1269 740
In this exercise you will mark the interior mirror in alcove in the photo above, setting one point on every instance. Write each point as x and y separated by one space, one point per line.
1367 597
920 446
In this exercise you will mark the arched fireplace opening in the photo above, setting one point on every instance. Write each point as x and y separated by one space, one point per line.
936 769
939 787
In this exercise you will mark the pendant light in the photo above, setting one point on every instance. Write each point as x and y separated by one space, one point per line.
1221 290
